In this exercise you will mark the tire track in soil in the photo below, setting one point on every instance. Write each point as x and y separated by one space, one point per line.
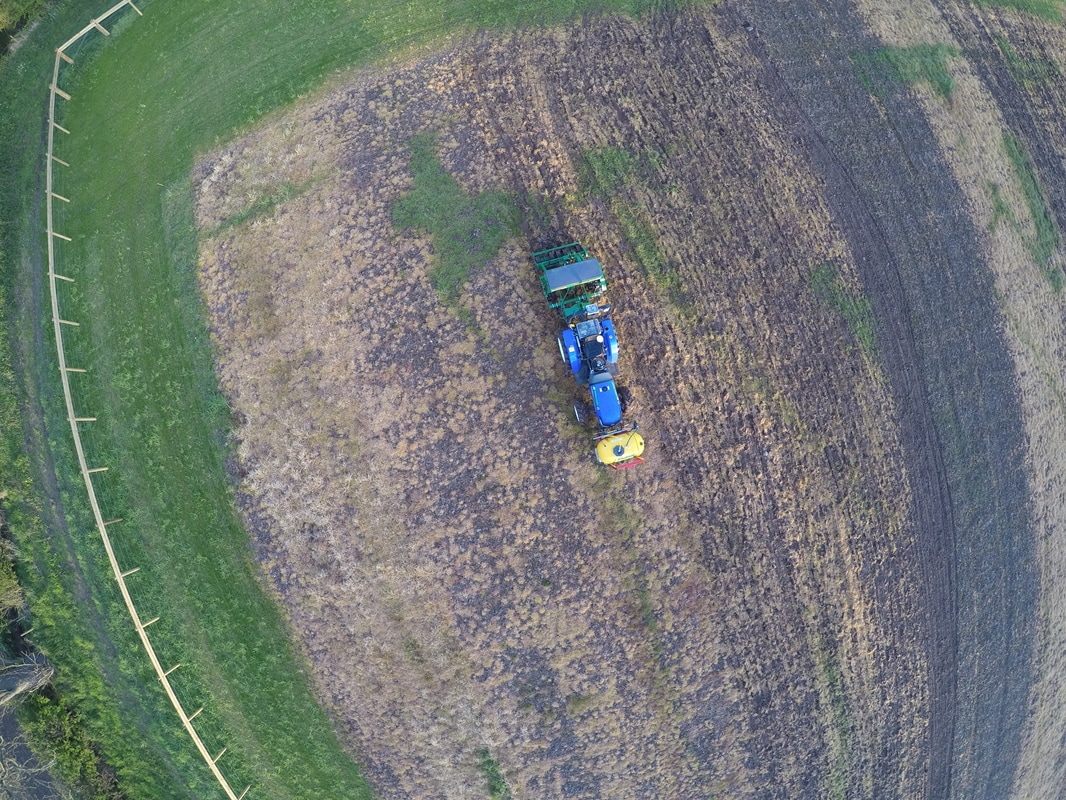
1029 92
900 209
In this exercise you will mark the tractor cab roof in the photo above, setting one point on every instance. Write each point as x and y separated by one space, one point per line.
570 275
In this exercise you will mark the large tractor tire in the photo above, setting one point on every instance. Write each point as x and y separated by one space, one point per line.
569 350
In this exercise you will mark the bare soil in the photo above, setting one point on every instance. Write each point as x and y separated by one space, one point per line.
824 581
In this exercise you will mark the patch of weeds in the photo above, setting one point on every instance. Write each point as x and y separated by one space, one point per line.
490 768
839 725
605 170
414 652
920 63
841 728
1001 209
649 620
1045 9
1045 241
620 516
466 316
263 205
654 159
569 427
1025 71
53 727
467 230
647 608
854 308
578 703
536 211
642 241
11 597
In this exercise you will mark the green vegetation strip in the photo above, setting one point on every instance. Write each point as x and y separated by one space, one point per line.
605 173
1045 9
1044 242
145 101
921 63
467 230
854 308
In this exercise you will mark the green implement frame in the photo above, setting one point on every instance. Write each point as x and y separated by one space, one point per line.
570 279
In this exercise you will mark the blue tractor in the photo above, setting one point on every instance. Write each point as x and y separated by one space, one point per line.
589 346
574 285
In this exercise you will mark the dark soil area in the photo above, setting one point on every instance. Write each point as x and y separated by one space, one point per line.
942 346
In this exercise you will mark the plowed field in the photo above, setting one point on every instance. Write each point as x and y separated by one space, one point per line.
834 576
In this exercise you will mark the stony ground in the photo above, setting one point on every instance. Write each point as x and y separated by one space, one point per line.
824 582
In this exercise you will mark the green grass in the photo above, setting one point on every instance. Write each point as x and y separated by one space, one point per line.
855 309
1026 71
605 170
1045 9
467 230
1044 242
52 726
161 89
604 173
921 63
495 783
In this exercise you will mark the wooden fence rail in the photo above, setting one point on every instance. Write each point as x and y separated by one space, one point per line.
97 25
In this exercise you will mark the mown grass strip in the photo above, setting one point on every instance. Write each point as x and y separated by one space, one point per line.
921 63
467 230
184 78
1044 242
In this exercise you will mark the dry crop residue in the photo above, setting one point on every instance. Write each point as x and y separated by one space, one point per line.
740 617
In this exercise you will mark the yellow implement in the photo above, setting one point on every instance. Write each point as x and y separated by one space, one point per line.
620 450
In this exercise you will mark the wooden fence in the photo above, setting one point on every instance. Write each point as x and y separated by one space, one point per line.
96 26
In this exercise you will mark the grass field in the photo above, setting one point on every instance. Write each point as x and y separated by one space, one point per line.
160 90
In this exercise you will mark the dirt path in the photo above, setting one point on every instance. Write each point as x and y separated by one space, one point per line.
744 615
